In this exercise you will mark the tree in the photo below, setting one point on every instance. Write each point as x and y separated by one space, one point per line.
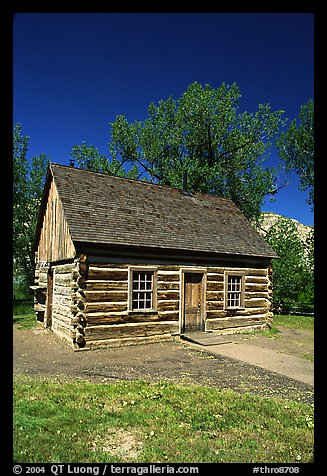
28 185
296 149
203 135
293 272
89 158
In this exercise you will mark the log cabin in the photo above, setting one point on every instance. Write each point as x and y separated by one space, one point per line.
119 261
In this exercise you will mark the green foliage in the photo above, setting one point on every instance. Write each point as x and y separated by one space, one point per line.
293 272
202 134
29 177
296 148
89 158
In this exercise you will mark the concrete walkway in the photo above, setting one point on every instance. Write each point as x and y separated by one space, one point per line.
291 366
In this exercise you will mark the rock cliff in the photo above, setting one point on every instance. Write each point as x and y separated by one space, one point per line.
269 219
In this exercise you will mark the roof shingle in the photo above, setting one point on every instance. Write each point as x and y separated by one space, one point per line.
103 209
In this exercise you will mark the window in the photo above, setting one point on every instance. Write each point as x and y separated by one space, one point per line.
235 291
142 290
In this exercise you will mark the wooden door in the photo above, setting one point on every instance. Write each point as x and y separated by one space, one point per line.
193 302
49 299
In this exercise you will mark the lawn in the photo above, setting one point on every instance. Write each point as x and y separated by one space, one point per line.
23 314
290 321
294 322
143 422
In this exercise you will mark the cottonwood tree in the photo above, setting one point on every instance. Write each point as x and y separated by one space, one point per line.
296 149
293 273
28 182
88 157
203 134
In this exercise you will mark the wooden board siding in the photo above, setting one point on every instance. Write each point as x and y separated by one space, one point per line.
55 242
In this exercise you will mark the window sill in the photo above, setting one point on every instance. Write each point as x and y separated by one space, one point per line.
142 311
232 311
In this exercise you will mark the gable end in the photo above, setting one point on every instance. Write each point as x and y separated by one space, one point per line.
53 239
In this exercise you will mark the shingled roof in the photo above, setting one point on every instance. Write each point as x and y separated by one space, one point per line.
108 210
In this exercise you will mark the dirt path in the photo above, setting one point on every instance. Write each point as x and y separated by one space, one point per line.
39 352
289 354
299 343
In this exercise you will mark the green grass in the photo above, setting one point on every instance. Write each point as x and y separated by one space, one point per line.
294 322
272 332
142 422
290 321
23 315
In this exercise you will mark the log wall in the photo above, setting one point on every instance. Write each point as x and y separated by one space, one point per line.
257 300
108 318
90 302
67 299
62 301
106 305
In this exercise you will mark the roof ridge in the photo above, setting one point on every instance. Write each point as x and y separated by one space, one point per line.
143 182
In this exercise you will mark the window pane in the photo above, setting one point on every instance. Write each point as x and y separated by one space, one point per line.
234 291
234 283
142 290
136 280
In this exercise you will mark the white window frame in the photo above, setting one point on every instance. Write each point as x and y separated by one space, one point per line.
131 290
241 292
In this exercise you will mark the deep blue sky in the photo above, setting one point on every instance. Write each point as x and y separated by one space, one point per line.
74 73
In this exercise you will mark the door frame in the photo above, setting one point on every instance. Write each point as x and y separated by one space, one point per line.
184 271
